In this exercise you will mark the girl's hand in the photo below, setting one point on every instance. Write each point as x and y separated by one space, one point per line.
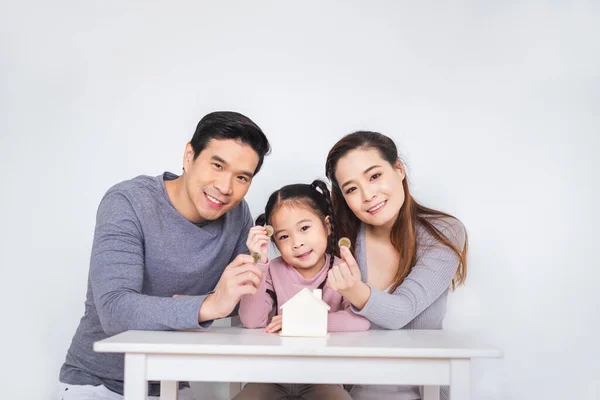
274 325
258 241
344 276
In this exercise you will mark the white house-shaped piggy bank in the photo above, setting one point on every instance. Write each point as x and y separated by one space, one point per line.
305 314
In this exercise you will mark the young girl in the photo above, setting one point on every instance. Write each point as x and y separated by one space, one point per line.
303 233
406 256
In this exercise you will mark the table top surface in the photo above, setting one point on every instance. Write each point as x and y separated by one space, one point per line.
255 342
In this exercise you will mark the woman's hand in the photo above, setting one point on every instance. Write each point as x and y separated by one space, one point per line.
344 276
258 242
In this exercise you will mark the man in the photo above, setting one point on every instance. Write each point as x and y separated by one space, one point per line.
160 237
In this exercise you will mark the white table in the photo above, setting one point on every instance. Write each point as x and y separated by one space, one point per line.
222 354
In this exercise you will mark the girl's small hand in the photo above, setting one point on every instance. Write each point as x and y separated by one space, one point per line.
258 241
345 275
275 325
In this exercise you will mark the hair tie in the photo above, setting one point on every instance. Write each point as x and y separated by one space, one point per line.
317 189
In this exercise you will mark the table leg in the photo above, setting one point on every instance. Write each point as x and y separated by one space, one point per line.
169 390
431 393
234 389
136 386
460 380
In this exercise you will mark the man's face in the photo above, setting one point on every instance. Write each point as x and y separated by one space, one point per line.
218 179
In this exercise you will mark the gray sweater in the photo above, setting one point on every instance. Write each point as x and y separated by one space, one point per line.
144 252
418 303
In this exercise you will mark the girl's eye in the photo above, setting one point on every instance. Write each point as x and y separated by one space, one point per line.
282 237
352 189
305 228
375 176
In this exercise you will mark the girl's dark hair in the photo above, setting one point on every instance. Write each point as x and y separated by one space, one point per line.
316 196
404 232
222 125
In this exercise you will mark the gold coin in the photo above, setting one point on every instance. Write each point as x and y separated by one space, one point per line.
344 242
255 256
269 229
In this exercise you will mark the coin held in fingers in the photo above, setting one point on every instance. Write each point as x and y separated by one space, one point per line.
344 242
269 229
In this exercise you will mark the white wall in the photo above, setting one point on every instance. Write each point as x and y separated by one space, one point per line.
495 105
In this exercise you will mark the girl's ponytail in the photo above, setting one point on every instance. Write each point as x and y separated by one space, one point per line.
318 184
261 219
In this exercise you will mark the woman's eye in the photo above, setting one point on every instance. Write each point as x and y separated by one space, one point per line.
218 166
375 176
352 189
282 237
305 228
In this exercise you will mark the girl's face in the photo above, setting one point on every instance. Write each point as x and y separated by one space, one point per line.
371 186
300 236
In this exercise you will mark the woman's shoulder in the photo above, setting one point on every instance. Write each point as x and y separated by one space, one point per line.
450 227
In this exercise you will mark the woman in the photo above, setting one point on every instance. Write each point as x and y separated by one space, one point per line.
404 257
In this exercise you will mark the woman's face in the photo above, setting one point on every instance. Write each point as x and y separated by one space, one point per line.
371 186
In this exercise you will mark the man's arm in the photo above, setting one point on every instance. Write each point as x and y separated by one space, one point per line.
117 272
240 248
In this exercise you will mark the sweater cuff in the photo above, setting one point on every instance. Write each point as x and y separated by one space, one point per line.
190 310
367 310
264 266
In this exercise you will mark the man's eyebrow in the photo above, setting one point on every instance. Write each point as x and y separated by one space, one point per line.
220 160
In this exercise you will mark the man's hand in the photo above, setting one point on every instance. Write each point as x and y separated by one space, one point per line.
258 242
240 277
275 325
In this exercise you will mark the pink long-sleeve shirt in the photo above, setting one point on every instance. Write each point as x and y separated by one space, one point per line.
283 279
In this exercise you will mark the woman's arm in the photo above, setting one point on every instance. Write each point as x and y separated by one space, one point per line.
429 279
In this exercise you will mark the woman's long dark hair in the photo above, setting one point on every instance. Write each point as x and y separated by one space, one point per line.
404 232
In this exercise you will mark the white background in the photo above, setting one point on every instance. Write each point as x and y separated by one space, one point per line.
495 107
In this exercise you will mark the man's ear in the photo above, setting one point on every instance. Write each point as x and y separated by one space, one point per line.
188 157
